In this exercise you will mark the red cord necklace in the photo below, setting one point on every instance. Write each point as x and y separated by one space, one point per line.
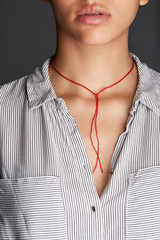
96 112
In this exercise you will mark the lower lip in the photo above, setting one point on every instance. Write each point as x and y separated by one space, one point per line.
93 19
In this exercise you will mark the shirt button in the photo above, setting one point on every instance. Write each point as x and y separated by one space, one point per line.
84 165
111 170
93 208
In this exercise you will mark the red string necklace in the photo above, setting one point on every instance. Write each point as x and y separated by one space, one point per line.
96 112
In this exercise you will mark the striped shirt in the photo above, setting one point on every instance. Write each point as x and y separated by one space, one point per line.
47 190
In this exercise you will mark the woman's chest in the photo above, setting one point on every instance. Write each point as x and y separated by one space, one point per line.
100 140
46 191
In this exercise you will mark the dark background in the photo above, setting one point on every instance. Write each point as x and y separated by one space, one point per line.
28 36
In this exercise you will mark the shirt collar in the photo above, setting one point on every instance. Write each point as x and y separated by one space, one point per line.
148 89
40 89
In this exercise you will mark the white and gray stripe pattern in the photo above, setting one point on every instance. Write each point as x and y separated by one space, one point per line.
47 190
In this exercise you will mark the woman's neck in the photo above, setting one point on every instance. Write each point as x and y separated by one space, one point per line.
95 67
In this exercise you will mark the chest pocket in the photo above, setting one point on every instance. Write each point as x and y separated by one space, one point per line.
32 208
143 205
